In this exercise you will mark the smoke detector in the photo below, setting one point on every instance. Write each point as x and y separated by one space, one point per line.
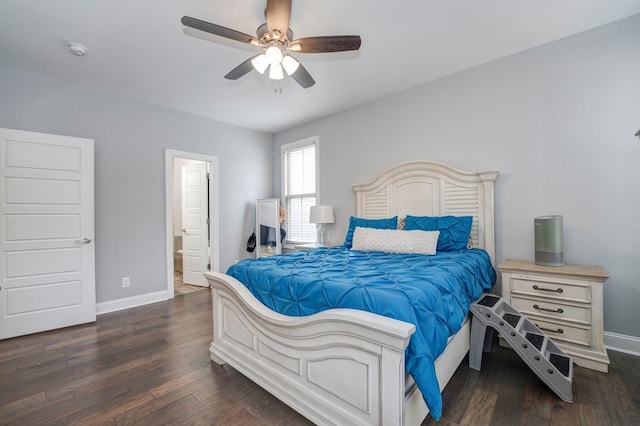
77 49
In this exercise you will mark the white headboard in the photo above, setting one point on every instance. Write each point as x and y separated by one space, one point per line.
429 188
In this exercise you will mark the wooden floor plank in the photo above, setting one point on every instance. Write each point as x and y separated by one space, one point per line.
564 414
173 413
117 394
627 365
590 399
619 403
13 410
537 402
105 415
150 366
178 382
512 386
480 409
461 383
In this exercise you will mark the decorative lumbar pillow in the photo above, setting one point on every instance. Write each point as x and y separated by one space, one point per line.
387 223
454 230
395 240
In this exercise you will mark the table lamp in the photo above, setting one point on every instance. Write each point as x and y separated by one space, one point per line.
321 215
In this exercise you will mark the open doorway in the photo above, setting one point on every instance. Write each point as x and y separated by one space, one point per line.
191 218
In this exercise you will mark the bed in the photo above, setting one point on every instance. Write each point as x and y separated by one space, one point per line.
347 366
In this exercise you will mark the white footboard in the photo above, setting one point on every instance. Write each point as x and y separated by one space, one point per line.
341 366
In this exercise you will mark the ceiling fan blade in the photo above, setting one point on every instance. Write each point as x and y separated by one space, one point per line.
326 44
302 76
241 69
278 14
218 30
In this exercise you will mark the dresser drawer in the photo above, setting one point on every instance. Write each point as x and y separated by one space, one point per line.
563 332
550 308
572 290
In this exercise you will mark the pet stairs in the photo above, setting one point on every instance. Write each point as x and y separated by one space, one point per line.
541 354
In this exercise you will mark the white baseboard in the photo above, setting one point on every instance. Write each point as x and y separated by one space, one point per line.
130 302
622 343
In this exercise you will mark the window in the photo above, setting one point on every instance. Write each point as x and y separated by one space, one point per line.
299 188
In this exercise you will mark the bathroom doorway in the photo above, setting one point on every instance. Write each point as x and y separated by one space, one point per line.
192 242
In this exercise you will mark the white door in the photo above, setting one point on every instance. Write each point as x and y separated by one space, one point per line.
47 265
195 226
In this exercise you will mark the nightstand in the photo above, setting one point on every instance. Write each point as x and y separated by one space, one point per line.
565 302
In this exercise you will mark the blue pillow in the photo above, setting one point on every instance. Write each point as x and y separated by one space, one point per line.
387 223
454 230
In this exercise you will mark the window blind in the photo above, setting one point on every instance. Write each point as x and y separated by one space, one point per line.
300 192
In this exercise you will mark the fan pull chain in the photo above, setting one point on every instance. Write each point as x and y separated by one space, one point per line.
277 88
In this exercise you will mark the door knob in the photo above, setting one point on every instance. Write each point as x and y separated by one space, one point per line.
184 230
86 240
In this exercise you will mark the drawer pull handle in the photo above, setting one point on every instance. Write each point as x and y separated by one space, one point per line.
557 290
550 330
555 311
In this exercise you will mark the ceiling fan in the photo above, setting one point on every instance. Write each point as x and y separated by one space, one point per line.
276 38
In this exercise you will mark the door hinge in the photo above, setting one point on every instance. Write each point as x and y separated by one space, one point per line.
208 175
208 220
208 266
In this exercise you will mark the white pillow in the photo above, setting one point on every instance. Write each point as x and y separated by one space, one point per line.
395 240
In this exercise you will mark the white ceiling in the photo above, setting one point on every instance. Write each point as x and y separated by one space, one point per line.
139 47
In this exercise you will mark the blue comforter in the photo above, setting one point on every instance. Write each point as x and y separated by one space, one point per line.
431 292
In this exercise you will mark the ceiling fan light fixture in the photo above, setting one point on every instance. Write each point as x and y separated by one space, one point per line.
274 54
275 40
260 63
275 72
290 64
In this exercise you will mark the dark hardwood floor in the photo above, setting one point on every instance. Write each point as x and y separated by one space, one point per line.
506 392
150 365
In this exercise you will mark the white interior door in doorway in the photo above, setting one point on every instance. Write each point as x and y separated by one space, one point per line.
47 259
195 224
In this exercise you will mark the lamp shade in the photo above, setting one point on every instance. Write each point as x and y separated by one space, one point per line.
275 72
260 63
290 64
321 214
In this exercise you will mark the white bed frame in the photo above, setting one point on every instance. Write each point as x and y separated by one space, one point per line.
345 366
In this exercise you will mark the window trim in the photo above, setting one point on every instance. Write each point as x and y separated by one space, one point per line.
313 140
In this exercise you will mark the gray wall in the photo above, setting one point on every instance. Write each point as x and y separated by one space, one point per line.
130 142
556 121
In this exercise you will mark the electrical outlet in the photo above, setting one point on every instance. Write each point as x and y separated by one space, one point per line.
126 282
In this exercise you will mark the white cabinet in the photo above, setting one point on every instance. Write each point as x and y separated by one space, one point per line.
565 302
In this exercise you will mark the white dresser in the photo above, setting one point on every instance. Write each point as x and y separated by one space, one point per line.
565 302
